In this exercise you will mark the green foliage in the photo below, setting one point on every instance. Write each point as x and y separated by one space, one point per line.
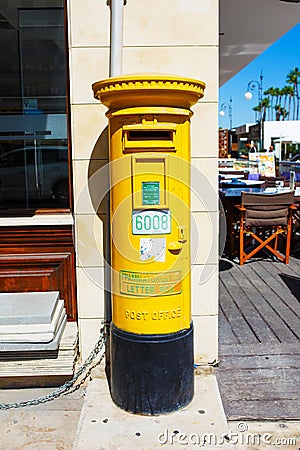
282 103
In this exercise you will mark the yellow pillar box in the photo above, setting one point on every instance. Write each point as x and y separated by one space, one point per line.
151 333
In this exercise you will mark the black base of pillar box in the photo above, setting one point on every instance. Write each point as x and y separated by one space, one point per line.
152 374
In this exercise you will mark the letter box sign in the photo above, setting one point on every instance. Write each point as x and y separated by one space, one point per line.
150 192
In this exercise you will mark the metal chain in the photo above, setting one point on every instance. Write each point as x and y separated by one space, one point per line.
70 386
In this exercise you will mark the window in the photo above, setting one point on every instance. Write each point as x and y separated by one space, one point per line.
34 169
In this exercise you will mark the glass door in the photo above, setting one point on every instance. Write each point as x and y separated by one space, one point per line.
34 163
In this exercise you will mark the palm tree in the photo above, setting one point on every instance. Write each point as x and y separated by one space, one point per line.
264 105
284 113
256 109
261 108
277 109
293 78
271 93
288 92
277 94
268 93
288 95
284 92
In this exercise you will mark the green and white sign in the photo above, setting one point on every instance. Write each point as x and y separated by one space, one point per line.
150 193
151 222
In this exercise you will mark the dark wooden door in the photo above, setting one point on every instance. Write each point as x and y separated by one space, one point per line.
39 259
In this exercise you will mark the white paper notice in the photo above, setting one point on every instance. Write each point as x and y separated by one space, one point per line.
153 248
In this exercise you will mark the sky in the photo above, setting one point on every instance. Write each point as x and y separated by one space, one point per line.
274 63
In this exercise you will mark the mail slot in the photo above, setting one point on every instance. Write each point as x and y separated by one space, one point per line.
154 137
149 153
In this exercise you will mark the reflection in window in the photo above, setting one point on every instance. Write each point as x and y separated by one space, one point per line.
33 130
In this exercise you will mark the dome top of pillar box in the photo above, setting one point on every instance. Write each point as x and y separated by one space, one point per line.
148 89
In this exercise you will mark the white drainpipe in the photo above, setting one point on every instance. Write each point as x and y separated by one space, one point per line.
116 37
115 69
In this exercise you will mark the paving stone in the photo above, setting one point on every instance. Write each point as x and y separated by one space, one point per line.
103 425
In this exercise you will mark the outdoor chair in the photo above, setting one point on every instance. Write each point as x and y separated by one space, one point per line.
271 181
263 218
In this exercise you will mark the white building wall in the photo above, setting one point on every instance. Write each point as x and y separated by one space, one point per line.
178 37
281 129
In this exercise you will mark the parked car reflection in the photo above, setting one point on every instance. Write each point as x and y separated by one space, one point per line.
295 158
34 176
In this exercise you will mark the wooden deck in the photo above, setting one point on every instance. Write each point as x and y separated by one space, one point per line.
259 339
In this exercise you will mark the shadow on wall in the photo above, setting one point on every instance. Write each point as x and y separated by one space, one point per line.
98 189
98 174
293 283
